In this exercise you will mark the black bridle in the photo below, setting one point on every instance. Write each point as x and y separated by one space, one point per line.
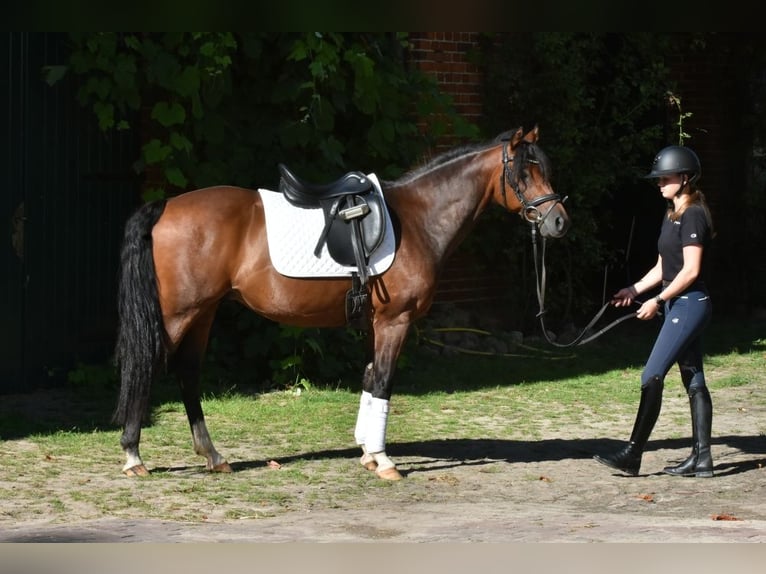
529 208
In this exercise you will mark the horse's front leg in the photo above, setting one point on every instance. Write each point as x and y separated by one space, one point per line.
372 419
187 364
363 416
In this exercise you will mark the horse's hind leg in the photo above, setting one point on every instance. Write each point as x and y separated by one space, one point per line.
187 363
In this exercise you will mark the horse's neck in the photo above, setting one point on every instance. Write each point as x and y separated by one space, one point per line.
443 205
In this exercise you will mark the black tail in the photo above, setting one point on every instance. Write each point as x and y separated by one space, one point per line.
141 338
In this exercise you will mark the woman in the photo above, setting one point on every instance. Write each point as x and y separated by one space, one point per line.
683 298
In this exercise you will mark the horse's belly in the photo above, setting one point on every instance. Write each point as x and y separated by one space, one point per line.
300 302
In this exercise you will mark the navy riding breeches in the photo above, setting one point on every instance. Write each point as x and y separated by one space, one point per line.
679 340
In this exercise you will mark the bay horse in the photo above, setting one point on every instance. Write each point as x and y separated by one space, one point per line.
182 256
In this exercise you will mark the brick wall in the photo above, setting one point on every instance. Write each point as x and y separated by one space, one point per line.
447 56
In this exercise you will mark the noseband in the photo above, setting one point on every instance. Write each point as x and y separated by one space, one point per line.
529 209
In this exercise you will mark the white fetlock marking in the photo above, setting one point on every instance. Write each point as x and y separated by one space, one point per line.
133 459
375 436
362 417
383 461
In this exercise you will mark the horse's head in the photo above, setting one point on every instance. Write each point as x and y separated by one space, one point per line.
525 172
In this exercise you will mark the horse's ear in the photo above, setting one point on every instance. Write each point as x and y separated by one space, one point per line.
517 137
533 134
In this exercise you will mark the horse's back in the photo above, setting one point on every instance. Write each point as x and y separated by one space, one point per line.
219 199
212 217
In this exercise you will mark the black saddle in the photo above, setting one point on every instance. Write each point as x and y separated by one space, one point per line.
303 194
353 213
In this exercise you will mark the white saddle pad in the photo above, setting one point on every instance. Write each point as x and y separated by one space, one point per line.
293 232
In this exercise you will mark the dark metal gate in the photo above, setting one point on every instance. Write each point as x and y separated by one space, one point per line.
67 190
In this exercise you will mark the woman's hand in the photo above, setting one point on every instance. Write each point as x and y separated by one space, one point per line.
648 309
624 297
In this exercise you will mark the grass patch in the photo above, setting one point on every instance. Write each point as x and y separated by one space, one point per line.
61 454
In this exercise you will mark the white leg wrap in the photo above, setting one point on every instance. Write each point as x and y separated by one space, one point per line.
367 460
383 461
362 417
375 437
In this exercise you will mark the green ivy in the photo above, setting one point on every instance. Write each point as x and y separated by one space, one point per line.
225 108
600 102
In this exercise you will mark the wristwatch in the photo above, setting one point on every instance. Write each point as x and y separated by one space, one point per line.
659 300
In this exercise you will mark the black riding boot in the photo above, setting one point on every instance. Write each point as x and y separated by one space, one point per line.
628 459
700 461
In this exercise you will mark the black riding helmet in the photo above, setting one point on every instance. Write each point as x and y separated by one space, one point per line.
676 159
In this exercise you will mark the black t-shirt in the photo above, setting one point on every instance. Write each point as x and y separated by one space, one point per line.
692 228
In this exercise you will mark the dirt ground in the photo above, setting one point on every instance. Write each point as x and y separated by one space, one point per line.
547 490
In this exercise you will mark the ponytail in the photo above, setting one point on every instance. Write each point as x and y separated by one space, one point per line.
695 196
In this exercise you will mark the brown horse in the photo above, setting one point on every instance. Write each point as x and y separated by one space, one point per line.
182 256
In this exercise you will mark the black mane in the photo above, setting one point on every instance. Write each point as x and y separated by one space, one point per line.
524 153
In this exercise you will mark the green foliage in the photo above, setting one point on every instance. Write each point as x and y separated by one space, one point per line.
89 377
675 101
599 99
226 108
246 349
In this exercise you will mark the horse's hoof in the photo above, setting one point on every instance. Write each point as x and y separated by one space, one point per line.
223 467
138 470
389 474
368 462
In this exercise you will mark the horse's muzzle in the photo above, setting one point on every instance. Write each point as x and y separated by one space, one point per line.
556 223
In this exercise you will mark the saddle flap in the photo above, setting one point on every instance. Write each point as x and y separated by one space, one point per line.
373 225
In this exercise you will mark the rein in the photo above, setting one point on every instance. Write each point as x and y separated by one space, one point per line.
532 214
540 276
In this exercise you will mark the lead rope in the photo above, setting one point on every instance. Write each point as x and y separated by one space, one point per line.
540 276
